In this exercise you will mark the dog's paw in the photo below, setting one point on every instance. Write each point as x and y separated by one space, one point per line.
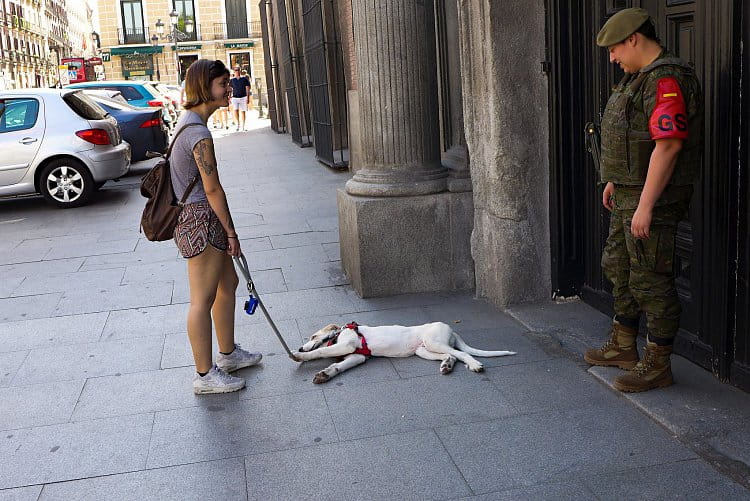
296 357
476 367
321 377
446 367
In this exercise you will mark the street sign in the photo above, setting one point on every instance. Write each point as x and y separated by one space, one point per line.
106 57
64 74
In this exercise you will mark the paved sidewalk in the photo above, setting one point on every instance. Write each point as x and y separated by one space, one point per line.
95 372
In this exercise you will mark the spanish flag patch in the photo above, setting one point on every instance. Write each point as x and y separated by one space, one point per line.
669 94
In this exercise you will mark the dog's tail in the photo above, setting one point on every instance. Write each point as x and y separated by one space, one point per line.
461 345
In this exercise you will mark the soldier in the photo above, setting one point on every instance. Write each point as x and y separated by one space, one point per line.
651 142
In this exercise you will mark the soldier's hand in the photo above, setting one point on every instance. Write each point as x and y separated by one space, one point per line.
641 223
609 192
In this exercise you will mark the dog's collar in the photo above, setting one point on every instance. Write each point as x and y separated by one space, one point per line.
364 350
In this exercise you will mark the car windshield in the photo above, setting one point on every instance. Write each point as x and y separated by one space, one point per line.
84 106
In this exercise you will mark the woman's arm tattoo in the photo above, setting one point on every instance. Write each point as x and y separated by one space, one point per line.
205 156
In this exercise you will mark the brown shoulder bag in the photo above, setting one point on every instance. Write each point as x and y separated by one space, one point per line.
162 210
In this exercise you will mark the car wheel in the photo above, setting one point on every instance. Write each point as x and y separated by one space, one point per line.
66 183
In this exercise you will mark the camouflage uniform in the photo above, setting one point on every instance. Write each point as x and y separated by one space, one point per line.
642 271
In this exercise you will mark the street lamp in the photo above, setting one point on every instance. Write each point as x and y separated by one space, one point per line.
175 36
155 43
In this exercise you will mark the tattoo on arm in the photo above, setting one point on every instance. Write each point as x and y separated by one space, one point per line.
204 156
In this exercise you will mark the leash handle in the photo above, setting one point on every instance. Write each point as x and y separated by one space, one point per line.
241 263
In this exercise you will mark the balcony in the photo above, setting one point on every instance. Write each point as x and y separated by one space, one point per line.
229 31
138 35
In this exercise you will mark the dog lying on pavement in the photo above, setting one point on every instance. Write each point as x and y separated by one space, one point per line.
356 343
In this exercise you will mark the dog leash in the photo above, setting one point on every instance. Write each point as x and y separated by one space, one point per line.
254 299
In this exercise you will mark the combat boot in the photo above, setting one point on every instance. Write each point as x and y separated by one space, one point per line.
653 371
620 351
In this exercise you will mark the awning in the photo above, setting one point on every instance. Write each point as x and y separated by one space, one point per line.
239 45
142 49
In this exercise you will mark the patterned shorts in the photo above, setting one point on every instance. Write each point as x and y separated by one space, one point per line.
197 227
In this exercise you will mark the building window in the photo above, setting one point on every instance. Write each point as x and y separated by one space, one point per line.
133 30
186 10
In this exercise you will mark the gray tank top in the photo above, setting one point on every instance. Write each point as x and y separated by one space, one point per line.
182 163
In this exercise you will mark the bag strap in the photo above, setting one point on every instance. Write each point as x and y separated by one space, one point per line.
174 139
169 152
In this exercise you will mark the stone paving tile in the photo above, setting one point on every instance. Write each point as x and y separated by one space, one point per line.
81 361
275 228
145 322
223 480
296 304
9 365
155 272
29 307
308 255
39 404
547 447
30 493
527 386
403 466
413 404
41 268
140 392
80 249
304 239
303 276
333 251
324 223
71 281
253 337
139 256
678 480
74 450
279 375
119 297
245 427
8 285
566 491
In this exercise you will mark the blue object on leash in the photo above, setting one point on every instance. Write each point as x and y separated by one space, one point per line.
251 304
254 301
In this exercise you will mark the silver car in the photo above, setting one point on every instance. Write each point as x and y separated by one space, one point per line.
58 142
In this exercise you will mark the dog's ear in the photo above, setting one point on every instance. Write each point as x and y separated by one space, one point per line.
330 327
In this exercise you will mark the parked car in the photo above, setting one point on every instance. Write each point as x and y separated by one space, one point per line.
173 91
113 95
60 143
143 128
172 105
137 93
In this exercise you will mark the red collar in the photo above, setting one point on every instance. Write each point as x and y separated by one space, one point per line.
364 350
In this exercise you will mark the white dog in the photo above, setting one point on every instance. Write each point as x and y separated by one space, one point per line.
434 341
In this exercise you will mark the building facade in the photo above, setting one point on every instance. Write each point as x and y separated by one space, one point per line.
133 47
32 37
465 123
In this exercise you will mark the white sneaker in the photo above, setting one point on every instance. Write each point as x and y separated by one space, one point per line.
216 381
238 359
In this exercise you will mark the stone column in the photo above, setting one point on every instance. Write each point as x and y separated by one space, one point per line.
395 47
455 155
397 221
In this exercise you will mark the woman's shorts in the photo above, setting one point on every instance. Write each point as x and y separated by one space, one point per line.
198 226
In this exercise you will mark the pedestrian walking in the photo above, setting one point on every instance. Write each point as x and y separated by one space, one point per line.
205 234
240 96
651 140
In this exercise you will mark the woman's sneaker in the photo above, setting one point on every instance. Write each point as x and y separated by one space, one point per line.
216 381
238 359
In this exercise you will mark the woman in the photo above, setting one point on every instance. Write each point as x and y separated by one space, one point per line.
205 233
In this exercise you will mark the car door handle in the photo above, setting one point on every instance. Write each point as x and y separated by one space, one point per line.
28 140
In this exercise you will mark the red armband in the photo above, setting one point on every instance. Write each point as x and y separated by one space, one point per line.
669 118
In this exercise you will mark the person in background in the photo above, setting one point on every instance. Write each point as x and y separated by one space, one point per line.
240 92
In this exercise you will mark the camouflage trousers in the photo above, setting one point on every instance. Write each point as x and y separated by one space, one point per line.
642 271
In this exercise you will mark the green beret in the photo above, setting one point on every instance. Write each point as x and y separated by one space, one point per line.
621 26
